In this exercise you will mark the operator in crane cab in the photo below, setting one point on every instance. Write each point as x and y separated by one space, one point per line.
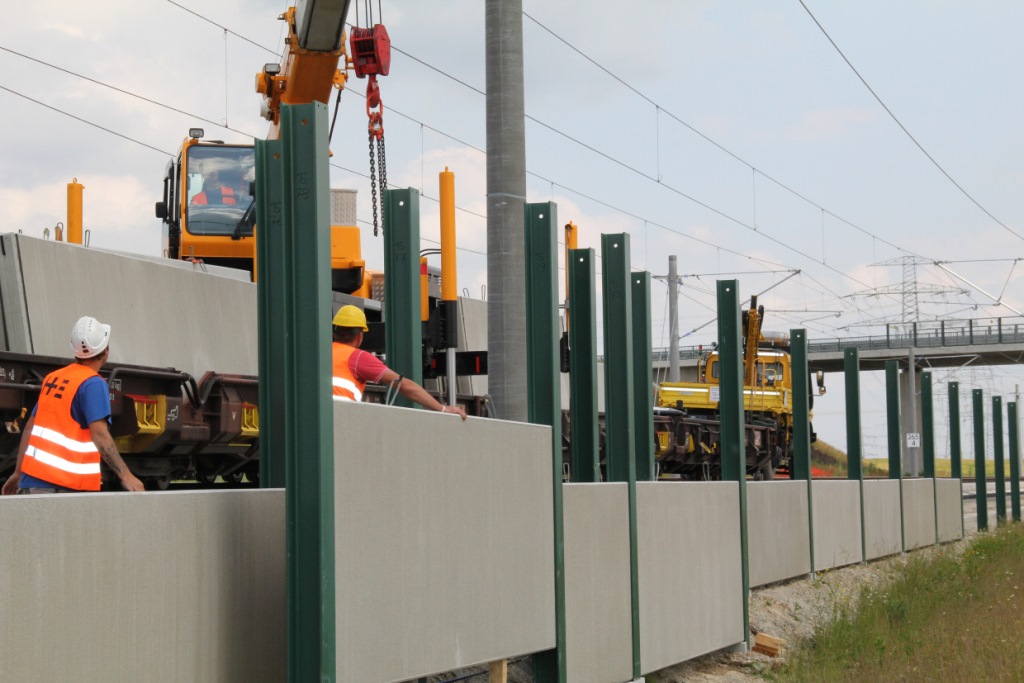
353 368
215 191
68 434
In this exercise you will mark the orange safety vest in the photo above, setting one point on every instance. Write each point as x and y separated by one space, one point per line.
346 386
59 450
226 193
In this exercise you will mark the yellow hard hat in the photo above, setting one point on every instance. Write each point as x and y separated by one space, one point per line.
350 316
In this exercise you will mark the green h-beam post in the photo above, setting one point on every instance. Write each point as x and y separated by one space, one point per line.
584 445
927 426
544 394
733 441
403 329
892 404
643 398
854 442
802 423
956 470
297 431
980 485
619 403
1011 421
928 442
997 450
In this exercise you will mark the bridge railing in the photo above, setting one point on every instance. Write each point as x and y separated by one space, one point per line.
928 334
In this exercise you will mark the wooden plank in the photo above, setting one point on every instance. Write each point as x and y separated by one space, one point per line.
498 672
768 645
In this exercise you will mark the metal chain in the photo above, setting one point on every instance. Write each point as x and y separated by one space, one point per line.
373 185
381 160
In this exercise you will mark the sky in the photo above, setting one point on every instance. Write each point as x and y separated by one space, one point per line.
731 134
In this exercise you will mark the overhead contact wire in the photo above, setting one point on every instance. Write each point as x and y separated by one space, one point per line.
904 128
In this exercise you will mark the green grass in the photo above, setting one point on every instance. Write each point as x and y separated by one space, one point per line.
942 467
949 617
833 461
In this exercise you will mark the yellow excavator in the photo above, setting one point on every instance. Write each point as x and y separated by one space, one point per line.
208 208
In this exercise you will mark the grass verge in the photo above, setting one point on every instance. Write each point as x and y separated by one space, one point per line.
945 618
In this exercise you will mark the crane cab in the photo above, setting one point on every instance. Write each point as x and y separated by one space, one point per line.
208 210
209 214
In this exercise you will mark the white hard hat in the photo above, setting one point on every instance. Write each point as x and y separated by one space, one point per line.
89 337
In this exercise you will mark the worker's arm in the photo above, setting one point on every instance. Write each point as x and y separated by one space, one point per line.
414 392
108 450
11 485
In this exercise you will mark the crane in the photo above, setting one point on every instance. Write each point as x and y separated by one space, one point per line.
208 211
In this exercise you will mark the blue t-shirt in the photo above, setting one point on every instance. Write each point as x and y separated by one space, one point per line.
91 403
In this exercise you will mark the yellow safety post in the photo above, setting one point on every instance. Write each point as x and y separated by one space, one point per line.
75 211
449 281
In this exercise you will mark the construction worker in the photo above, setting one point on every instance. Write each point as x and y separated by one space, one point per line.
67 435
354 368
214 192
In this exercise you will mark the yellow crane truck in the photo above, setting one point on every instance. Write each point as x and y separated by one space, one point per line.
687 423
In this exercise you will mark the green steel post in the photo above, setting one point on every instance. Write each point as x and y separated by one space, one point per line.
980 483
730 406
955 449
618 351
928 442
403 329
854 443
544 395
584 439
801 405
1011 421
271 293
927 426
801 466
892 412
619 403
643 398
892 403
295 339
997 450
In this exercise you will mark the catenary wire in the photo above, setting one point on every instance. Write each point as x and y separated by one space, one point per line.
904 129
647 176
755 170
541 123
89 123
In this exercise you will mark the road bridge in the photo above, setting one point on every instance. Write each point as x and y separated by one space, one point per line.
939 344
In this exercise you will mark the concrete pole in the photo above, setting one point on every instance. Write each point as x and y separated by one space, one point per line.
506 196
673 320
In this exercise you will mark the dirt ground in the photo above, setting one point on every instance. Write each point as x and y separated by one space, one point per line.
791 611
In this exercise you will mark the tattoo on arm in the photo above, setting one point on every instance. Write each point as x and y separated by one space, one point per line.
113 459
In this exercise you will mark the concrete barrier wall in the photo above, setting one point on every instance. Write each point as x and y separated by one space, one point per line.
918 513
778 536
837 540
882 531
598 606
950 509
116 587
444 541
690 577
151 307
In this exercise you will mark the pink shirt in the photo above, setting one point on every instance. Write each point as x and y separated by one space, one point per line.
366 367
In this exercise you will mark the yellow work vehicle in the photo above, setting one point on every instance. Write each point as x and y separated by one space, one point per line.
687 423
